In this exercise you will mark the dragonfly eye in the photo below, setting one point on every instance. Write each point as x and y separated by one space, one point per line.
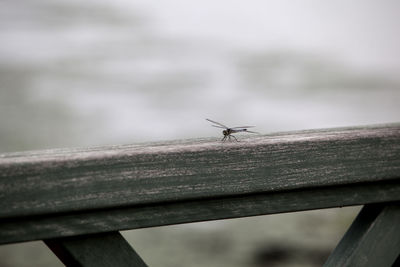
224 132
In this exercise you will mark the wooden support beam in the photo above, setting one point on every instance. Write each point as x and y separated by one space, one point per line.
66 192
372 240
98 250
43 227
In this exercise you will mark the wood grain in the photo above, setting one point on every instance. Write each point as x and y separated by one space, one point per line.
64 192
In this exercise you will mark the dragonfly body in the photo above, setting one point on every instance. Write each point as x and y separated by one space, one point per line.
227 132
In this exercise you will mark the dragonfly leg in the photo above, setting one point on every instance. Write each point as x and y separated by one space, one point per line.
235 138
223 138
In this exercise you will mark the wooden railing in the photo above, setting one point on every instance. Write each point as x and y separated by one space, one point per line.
77 200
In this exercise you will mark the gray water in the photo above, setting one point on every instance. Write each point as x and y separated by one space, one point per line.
85 73
91 73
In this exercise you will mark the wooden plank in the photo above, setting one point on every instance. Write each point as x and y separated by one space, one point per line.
59 193
59 225
372 240
60 181
106 249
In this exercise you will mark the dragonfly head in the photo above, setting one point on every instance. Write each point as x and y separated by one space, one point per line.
227 132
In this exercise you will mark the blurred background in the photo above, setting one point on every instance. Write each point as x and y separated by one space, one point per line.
92 73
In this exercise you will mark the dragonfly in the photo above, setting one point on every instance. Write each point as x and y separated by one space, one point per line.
228 131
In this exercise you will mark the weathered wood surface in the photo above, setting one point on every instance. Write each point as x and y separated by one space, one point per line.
99 250
372 240
55 193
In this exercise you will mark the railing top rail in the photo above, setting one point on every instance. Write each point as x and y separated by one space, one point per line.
65 182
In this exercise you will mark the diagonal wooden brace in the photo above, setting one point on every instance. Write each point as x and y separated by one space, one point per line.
105 249
372 240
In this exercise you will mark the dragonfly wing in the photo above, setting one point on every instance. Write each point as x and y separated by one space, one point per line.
217 126
220 124
252 132
241 127
237 130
